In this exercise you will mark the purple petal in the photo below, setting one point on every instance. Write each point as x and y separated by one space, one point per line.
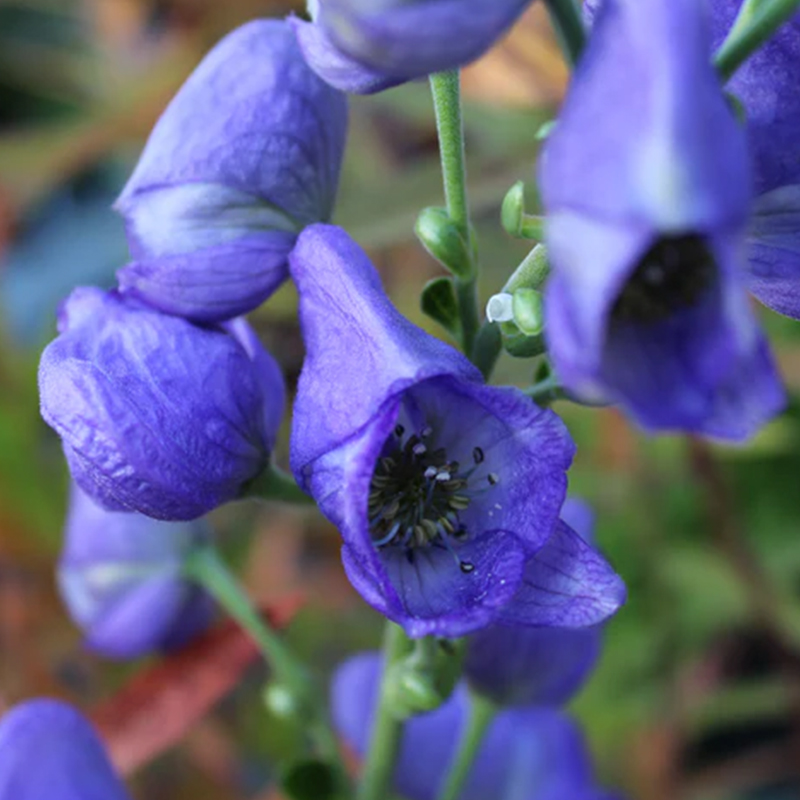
579 516
48 751
527 753
567 585
774 250
767 87
336 67
434 595
517 666
359 349
212 283
120 576
664 160
125 387
749 397
413 39
247 153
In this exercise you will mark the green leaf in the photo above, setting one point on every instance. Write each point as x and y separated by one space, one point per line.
439 302
309 780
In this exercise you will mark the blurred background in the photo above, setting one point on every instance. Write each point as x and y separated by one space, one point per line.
697 696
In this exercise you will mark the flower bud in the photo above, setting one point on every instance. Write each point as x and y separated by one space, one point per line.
442 238
120 575
49 751
244 157
158 415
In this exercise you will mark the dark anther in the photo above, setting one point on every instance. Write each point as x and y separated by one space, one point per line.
466 566
492 478
477 455
673 274
399 431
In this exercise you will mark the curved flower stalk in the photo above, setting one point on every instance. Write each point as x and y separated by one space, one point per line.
527 754
246 154
516 665
48 751
364 46
766 86
446 491
121 577
646 223
158 415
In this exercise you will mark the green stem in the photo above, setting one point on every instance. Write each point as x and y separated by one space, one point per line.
488 345
546 391
532 272
481 714
757 21
387 728
446 91
567 20
206 568
275 484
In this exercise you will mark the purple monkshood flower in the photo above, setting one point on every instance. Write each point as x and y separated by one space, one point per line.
120 575
446 491
48 751
515 665
647 193
158 415
364 46
527 754
246 154
766 85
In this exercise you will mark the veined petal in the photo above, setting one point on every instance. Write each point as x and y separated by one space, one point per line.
48 750
435 597
566 584
766 86
336 67
247 153
125 386
413 39
774 250
515 665
359 349
281 126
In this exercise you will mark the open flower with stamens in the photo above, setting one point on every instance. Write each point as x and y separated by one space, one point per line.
446 491
647 210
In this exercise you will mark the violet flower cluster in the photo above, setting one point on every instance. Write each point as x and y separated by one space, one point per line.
663 210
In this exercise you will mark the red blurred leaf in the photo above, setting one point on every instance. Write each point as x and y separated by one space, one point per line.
162 703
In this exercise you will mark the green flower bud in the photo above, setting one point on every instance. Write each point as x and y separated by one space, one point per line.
443 239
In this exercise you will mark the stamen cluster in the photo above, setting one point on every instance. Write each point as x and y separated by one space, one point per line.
417 494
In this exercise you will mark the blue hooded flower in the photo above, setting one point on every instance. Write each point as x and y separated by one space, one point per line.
246 154
48 751
158 415
364 46
120 575
766 85
527 754
446 491
518 665
646 184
